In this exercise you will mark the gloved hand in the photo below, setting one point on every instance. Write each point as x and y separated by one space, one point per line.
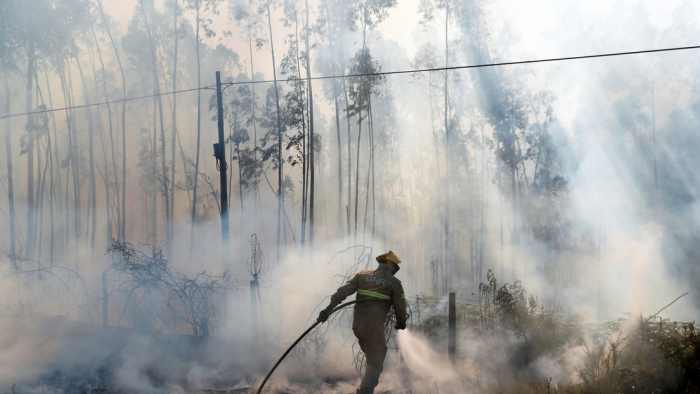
323 316
400 326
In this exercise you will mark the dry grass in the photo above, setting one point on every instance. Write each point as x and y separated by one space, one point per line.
654 356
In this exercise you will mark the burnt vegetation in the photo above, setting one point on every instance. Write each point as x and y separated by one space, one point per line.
163 296
654 355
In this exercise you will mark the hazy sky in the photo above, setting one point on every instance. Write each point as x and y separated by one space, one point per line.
541 29
536 22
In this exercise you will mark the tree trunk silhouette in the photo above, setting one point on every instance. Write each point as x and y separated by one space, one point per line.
29 247
347 117
75 160
111 137
100 127
164 176
171 214
448 254
304 146
121 222
52 242
53 155
337 123
357 169
91 157
72 154
40 199
57 174
311 132
280 194
256 191
199 129
653 135
8 159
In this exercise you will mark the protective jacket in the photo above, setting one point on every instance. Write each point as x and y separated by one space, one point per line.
381 289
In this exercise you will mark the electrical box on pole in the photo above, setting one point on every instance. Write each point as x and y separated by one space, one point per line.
220 155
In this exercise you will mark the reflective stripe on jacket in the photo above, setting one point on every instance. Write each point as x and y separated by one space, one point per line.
378 290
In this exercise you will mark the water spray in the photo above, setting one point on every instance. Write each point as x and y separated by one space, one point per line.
308 330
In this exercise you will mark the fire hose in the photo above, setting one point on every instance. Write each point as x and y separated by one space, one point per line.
341 306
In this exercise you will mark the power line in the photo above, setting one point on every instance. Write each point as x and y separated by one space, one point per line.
227 84
556 59
101 103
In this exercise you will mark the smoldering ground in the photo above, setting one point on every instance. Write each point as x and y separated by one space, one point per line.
57 354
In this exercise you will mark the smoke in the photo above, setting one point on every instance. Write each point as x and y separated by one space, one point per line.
614 234
423 360
57 355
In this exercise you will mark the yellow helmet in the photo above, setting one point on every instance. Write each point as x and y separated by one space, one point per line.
389 257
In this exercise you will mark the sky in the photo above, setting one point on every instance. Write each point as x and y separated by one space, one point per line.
538 25
535 22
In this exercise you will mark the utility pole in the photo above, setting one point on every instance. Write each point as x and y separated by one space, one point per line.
254 307
220 155
105 300
452 333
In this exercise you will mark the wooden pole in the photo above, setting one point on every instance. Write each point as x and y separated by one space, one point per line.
452 337
220 154
105 303
254 309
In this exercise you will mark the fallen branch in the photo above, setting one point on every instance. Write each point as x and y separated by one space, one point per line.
667 306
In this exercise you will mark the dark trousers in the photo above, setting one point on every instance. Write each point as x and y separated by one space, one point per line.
373 345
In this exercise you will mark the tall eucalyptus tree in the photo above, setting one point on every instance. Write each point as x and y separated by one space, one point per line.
249 24
442 11
9 43
264 10
121 222
202 10
365 16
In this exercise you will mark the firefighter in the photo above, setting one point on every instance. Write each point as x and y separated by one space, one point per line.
378 291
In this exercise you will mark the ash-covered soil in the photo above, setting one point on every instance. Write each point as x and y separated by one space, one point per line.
45 355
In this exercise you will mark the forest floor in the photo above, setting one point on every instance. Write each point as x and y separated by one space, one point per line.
511 333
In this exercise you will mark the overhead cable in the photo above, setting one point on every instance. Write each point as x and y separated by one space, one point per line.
43 111
381 73
422 70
